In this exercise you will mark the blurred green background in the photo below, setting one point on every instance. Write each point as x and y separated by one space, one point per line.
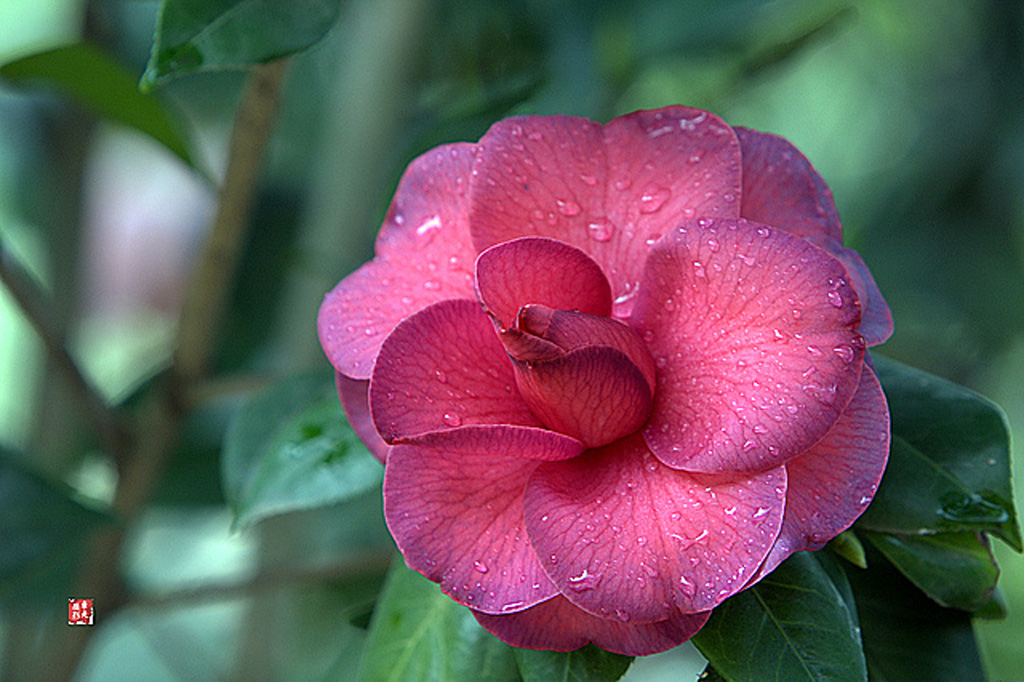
912 110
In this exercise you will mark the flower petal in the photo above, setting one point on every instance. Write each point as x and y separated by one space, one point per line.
454 504
752 330
832 484
535 270
442 368
781 188
424 255
557 625
354 400
625 537
611 190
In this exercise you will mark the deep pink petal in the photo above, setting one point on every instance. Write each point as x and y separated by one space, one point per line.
595 394
625 537
782 189
455 509
557 625
534 270
424 255
609 190
354 400
832 484
753 332
443 368
876 318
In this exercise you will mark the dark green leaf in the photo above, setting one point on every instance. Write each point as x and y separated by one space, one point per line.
42 534
94 79
908 636
848 546
588 663
796 624
954 569
418 633
949 469
218 34
291 448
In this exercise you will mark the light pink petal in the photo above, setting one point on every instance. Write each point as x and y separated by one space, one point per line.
609 190
782 189
353 394
539 271
424 255
832 484
595 394
876 317
454 504
557 625
625 537
753 333
443 368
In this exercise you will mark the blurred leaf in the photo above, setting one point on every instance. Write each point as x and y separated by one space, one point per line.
796 624
588 663
291 448
418 633
908 636
94 79
954 569
949 468
219 34
43 531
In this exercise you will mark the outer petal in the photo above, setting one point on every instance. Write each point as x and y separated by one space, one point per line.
832 484
539 271
752 330
424 255
781 188
625 537
557 625
443 368
454 504
354 400
611 190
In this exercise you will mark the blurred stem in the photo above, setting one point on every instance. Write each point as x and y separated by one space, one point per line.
160 422
40 313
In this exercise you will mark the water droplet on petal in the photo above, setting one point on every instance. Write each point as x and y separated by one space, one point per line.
441 376
480 566
713 245
653 198
689 589
622 184
845 353
568 207
452 419
600 230
698 269
588 179
835 299
429 227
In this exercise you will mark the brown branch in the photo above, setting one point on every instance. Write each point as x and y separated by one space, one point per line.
33 302
160 421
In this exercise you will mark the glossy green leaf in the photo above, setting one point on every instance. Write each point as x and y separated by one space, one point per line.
588 663
954 569
290 448
221 34
43 531
906 635
796 624
418 633
949 468
96 80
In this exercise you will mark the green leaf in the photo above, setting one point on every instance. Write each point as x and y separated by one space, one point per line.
418 633
221 34
291 448
588 663
796 624
848 546
949 468
93 78
906 635
954 569
43 531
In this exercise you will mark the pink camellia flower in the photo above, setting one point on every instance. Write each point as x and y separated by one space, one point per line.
617 373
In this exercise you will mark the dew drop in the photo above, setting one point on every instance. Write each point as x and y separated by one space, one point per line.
713 245
452 419
689 589
441 376
749 445
429 227
834 299
763 231
653 198
600 230
845 353
480 566
431 285
670 305
622 184
698 269
747 260
568 207
588 179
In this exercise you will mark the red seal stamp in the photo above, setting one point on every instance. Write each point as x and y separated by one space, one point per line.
80 612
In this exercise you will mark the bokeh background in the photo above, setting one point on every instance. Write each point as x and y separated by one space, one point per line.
912 110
